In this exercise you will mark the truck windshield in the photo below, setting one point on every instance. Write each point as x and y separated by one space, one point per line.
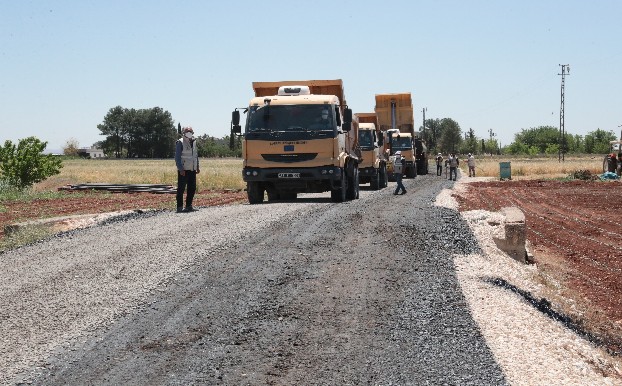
291 118
401 143
366 139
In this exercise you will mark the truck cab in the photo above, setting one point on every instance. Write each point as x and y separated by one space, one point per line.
299 139
373 165
395 116
404 143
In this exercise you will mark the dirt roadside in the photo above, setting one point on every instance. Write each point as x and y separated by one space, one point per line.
99 202
575 236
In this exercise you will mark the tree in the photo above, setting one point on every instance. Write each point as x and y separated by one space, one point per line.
112 128
71 147
451 137
218 147
23 165
470 143
597 142
538 137
434 133
138 133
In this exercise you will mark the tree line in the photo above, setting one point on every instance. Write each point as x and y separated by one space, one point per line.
445 136
151 133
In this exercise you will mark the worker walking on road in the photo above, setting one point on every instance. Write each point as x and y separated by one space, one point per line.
471 164
187 162
453 166
398 170
439 164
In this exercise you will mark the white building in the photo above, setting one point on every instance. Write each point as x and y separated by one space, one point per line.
90 152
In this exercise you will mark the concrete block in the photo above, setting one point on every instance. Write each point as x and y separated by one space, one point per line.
513 242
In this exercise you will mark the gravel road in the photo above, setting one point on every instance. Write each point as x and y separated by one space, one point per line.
291 293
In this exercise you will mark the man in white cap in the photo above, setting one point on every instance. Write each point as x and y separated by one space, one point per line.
471 163
439 164
398 170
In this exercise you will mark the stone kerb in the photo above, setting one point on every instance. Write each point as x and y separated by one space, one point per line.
514 241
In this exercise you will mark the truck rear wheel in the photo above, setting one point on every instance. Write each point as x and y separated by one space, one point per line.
255 192
411 172
339 194
374 182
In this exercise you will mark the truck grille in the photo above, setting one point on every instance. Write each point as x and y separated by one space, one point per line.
289 158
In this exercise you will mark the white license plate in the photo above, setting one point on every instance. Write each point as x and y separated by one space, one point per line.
289 175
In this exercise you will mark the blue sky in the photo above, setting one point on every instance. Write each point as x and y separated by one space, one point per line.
486 64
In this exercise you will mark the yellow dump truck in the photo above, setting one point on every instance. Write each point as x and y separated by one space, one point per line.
300 137
373 165
396 121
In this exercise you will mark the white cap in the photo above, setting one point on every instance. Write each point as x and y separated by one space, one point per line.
398 153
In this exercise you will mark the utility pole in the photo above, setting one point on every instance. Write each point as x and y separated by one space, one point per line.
425 137
492 136
562 130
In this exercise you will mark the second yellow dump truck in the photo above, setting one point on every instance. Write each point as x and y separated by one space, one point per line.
396 120
300 137
373 165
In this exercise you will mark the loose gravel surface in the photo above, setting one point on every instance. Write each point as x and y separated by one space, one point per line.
384 290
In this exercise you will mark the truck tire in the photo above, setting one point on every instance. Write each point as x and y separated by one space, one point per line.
255 192
374 182
384 179
339 194
353 185
411 172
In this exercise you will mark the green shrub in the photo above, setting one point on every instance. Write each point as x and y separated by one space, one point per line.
23 165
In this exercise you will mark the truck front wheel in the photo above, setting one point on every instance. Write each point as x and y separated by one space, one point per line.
255 192
384 177
353 184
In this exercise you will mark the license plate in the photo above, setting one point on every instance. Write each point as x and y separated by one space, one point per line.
289 175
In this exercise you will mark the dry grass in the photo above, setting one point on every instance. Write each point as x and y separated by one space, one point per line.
225 173
216 173
530 168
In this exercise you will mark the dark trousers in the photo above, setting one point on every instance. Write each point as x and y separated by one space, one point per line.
454 171
189 180
439 170
398 178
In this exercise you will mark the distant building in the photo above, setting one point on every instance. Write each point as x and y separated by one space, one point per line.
89 152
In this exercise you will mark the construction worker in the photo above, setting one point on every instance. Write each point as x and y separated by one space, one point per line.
398 170
471 164
187 162
453 166
439 164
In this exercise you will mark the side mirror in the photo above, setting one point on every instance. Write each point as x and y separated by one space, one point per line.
347 116
235 118
237 129
380 141
347 120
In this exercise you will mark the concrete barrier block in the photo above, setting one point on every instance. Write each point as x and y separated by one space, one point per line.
513 242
